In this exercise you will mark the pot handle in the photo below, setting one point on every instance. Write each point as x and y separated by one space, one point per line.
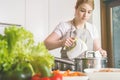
89 54
64 61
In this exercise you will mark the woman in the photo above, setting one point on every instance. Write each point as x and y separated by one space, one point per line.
65 33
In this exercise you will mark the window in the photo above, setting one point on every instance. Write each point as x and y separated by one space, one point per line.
110 20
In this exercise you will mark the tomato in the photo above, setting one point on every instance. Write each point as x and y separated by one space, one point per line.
56 77
45 78
36 77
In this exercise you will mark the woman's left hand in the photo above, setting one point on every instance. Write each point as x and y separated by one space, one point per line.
103 53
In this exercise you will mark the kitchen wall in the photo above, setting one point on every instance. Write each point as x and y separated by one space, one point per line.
41 16
37 18
12 11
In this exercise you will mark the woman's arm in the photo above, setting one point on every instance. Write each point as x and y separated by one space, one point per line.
96 44
53 41
97 47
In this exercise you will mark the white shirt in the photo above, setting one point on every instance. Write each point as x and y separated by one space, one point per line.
63 27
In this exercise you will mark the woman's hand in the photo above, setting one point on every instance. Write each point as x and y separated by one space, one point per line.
68 42
103 52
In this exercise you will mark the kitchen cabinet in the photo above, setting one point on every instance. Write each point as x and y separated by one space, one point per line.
12 11
37 18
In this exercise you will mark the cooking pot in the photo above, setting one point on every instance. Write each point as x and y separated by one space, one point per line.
91 59
82 63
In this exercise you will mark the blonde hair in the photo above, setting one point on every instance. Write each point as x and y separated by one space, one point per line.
79 2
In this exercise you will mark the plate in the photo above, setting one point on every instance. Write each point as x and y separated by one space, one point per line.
103 74
99 70
76 78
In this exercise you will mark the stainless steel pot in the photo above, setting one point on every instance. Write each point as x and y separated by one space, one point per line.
91 59
82 63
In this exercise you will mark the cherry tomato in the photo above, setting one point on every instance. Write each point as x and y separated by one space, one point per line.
45 78
36 77
56 77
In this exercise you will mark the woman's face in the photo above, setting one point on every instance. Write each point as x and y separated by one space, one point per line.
83 12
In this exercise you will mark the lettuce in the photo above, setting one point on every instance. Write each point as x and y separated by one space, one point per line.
17 45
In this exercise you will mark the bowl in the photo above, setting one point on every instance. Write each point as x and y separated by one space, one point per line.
103 74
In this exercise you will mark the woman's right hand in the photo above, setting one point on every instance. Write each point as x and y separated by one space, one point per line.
68 42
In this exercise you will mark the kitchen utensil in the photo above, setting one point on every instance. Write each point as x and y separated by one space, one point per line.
82 63
91 59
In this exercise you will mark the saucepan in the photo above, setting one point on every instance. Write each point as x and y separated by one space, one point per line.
83 63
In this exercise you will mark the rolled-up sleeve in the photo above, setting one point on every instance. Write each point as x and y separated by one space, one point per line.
61 29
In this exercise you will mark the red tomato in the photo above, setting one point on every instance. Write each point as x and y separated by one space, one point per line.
45 78
56 77
36 77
